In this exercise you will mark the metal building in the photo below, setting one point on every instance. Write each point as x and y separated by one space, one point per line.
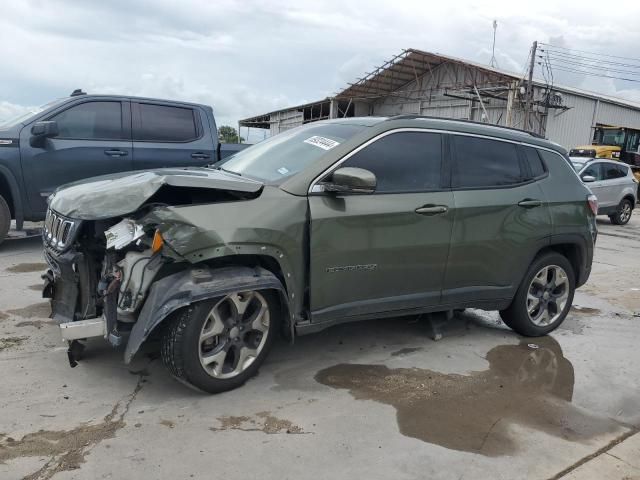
418 82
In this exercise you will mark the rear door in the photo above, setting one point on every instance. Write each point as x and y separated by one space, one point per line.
169 135
94 139
614 182
386 251
501 219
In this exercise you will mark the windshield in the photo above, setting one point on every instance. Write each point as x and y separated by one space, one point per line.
289 152
578 165
610 136
29 113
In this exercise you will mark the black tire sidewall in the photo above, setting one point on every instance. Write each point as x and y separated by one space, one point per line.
5 218
517 317
193 370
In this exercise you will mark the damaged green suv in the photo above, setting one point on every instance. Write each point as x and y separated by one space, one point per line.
330 222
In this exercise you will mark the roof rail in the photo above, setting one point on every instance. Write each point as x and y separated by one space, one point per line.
472 122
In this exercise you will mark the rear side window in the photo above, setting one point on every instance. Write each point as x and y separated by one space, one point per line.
402 162
481 162
161 123
612 172
91 121
535 162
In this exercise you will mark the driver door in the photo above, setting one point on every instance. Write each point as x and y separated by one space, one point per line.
386 251
94 139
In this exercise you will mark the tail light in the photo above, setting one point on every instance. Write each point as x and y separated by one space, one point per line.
592 200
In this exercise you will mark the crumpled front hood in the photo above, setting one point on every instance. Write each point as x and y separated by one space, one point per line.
122 193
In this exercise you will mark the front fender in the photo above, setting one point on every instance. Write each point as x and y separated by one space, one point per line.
193 285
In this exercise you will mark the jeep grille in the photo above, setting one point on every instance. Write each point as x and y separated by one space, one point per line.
58 231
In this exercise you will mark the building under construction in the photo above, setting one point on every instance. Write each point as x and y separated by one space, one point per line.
423 83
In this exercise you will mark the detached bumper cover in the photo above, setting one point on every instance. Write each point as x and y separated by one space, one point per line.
61 285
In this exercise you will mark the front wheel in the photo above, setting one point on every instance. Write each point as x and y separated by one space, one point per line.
218 345
543 298
623 214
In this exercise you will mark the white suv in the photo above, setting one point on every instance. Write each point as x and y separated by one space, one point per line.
613 183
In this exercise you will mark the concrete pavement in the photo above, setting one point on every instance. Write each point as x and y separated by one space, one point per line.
372 400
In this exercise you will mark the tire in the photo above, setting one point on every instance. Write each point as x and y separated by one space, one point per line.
623 213
5 219
204 345
556 301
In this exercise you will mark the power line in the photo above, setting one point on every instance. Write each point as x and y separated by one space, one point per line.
590 66
587 59
590 53
601 75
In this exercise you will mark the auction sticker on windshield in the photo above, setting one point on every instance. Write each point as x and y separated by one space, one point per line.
322 142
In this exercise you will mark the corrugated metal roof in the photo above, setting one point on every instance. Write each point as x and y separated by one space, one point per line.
411 64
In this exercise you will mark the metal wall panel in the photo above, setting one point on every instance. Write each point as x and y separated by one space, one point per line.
281 121
617 115
572 127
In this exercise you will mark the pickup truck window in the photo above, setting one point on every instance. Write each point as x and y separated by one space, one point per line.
91 121
288 153
161 123
402 162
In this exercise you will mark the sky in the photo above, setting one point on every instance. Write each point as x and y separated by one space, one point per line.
248 57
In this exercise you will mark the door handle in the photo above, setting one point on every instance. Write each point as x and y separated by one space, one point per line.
529 203
200 155
115 152
431 210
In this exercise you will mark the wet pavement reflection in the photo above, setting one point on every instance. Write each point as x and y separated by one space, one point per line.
529 384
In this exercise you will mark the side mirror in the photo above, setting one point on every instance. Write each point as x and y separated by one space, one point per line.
41 131
588 178
351 180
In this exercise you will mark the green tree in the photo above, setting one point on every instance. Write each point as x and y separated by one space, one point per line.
227 134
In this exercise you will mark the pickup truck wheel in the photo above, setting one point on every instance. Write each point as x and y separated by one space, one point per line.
218 345
543 298
5 219
623 214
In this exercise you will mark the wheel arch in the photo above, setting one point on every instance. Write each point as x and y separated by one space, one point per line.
572 251
630 197
201 282
9 190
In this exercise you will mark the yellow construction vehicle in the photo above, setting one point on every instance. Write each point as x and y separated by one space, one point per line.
618 143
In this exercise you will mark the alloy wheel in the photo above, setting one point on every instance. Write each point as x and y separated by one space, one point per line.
625 212
547 295
234 333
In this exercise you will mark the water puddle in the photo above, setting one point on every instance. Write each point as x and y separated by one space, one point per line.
523 385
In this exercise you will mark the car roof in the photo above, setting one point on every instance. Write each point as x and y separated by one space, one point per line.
133 98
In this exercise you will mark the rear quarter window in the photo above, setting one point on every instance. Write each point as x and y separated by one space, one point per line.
536 167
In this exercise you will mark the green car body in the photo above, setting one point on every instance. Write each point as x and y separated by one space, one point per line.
335 255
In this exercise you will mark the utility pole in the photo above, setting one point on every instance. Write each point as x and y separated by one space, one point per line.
529 90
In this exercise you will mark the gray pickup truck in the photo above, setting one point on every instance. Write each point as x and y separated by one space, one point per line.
83 135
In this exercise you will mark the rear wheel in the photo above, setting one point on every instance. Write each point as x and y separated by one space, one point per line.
623 214
5 218
218 345
543 298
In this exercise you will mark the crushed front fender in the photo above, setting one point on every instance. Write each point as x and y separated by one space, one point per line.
189 286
